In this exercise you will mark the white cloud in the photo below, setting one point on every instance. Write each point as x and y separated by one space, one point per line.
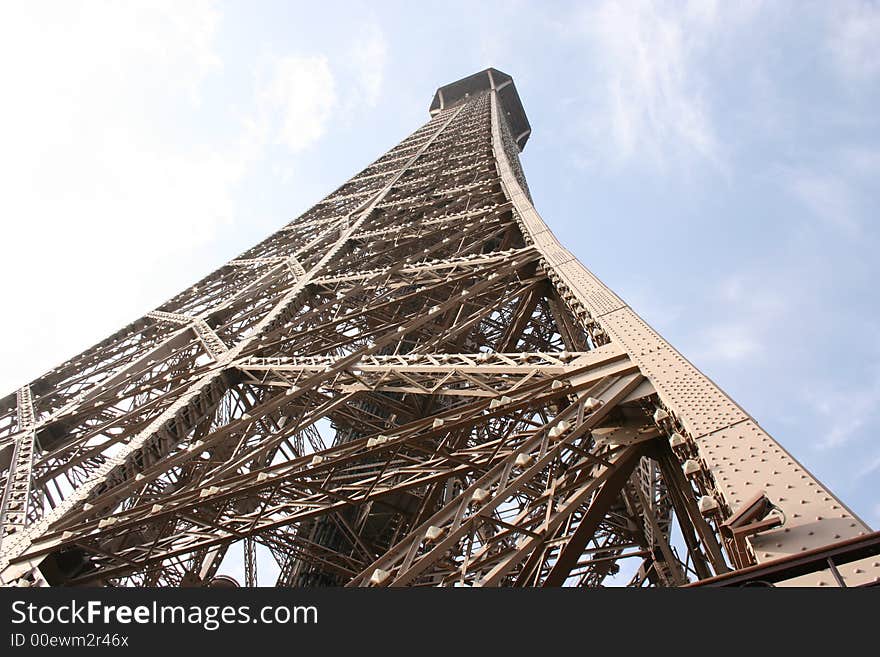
104 194
844 411
653 101
730 342
862 162
370 57
303 95
869 468
299 99
853 38
841 431
827 196
750 306
116 188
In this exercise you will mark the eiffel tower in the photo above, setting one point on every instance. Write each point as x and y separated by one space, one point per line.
413 383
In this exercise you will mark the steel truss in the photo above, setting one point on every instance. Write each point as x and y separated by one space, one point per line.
413 383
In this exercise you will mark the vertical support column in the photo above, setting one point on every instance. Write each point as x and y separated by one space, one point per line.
250 562
16 496
738 455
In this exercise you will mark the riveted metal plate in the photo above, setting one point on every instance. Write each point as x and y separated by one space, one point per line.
743 459
857 573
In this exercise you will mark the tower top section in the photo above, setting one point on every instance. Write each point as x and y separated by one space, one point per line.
491 78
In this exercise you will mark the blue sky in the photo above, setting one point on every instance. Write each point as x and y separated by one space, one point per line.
715 163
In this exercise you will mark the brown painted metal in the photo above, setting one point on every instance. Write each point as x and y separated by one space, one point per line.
824 563
413 383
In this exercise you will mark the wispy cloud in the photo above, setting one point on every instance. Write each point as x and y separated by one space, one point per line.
827 196
853 37
96 177
369 55
731 343
837 191
844 410
653 100
862 162
869 468
298 100
747 308
110 171
301 95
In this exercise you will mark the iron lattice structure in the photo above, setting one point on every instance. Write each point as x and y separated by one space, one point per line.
413 383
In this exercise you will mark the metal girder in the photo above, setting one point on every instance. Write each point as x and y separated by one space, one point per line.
16 494
718 427
413 383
